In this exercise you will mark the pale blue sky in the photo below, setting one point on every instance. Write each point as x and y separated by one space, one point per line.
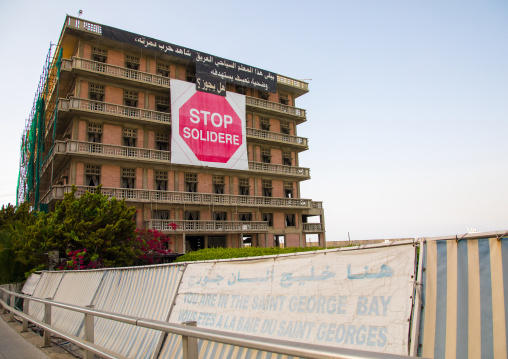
407 109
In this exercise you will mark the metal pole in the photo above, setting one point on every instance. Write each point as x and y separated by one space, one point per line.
13 305
26 303
47 319
89 332
189 344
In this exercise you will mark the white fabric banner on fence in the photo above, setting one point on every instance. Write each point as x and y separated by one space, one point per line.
358 299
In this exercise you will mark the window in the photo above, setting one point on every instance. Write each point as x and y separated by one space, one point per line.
191 182
132 62
264 95
164 215
244 187
244 217
220 216
190 76
129 137
94 132
128 177
162 104
267 188
278 241
264 123
161 180
285 127
267 217
266 155
191 215
96 93
162 141
283 99
288 189
286 158
241 89
218 184
92 175
163 70
130 98
290 220
99 55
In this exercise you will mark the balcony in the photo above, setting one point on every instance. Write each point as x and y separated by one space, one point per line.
106 151
273 168
280 137
109 109
169 197
312 227
295 112
207 226
120 73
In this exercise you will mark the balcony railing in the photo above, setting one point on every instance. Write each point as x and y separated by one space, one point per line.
207 226
292 82
170 197
277 136
313 227
273 168
257 102
117 71
74 103
104 150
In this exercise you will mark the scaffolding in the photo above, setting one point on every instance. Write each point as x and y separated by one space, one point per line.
44 111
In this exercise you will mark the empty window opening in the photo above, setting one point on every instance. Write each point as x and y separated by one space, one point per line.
191 215
244 187
160 215
220 216
286 158
267 188
218 184
191 182
244 217
264 123
161 180
190 76
130 98
96 92
288 189
266 155
247 241
162 104
129 138
94 132
163 70
267 217
99 55
285 127
128 177
162 141
92 175
264 95
194 243
241 89
132 62
290 220
283 99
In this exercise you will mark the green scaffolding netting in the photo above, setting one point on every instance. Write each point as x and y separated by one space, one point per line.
32 144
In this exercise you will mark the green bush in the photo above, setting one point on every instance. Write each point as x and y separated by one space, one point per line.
226 253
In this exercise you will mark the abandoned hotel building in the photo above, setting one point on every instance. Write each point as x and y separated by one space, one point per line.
186 137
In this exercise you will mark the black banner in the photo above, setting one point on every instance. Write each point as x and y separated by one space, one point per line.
212 72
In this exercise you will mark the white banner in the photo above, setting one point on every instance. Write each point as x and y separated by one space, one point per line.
357 299
207 129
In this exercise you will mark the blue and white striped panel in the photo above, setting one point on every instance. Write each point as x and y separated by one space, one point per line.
465 297
212 350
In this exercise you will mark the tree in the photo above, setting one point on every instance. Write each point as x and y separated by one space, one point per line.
97 227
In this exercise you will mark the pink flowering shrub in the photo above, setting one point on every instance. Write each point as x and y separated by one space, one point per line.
153 245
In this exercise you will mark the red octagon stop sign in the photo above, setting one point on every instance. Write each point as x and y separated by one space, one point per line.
210 127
